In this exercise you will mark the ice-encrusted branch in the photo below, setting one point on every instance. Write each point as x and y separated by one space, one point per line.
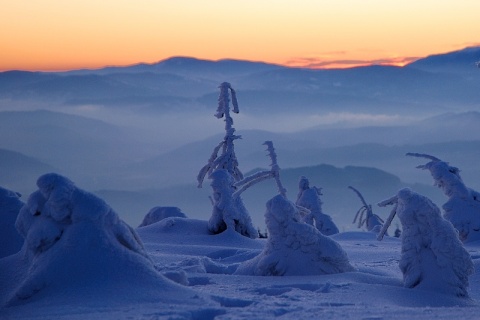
359 195
252 180
362 209
257 177
275 167
386 225
423 155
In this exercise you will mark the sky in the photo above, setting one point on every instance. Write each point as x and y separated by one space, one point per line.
54 35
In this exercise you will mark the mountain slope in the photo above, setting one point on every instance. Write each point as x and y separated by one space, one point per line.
20 171
456 62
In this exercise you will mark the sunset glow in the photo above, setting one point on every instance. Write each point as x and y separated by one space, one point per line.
61 35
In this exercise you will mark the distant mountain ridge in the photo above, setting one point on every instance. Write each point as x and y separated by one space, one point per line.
436 84
458 62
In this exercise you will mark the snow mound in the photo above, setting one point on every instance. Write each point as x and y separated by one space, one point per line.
159 213
432 257
10 239
294 247
78 251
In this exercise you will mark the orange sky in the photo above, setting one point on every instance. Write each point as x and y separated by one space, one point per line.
70 34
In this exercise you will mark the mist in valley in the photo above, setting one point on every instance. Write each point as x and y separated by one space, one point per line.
138 136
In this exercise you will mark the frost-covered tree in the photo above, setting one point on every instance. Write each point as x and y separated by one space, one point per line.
309 198
462 208
294 247
227 160
365 215
10 204
228 211
228 208
433 257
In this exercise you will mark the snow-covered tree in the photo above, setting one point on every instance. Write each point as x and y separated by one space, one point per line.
228 208
462 208
227 160
309 198
228 212
10 204
294 247
159 213
365 215
433 257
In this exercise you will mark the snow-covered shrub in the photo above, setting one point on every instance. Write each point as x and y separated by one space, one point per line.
10 240
462 208
309 198
365 215
294 247
159 213
72 238
433 257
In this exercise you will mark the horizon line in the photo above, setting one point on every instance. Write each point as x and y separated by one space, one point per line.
294 63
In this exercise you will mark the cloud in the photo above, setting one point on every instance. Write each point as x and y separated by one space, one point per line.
322 62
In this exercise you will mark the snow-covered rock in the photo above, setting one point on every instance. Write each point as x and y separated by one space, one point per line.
294 247
10 204
159 213
433 257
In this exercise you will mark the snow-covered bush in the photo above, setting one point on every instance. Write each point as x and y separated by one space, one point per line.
433 257
159 213
309 198
462 208
365 215
10 204
72 238
294 247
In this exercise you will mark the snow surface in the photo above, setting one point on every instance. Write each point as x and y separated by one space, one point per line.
80 261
